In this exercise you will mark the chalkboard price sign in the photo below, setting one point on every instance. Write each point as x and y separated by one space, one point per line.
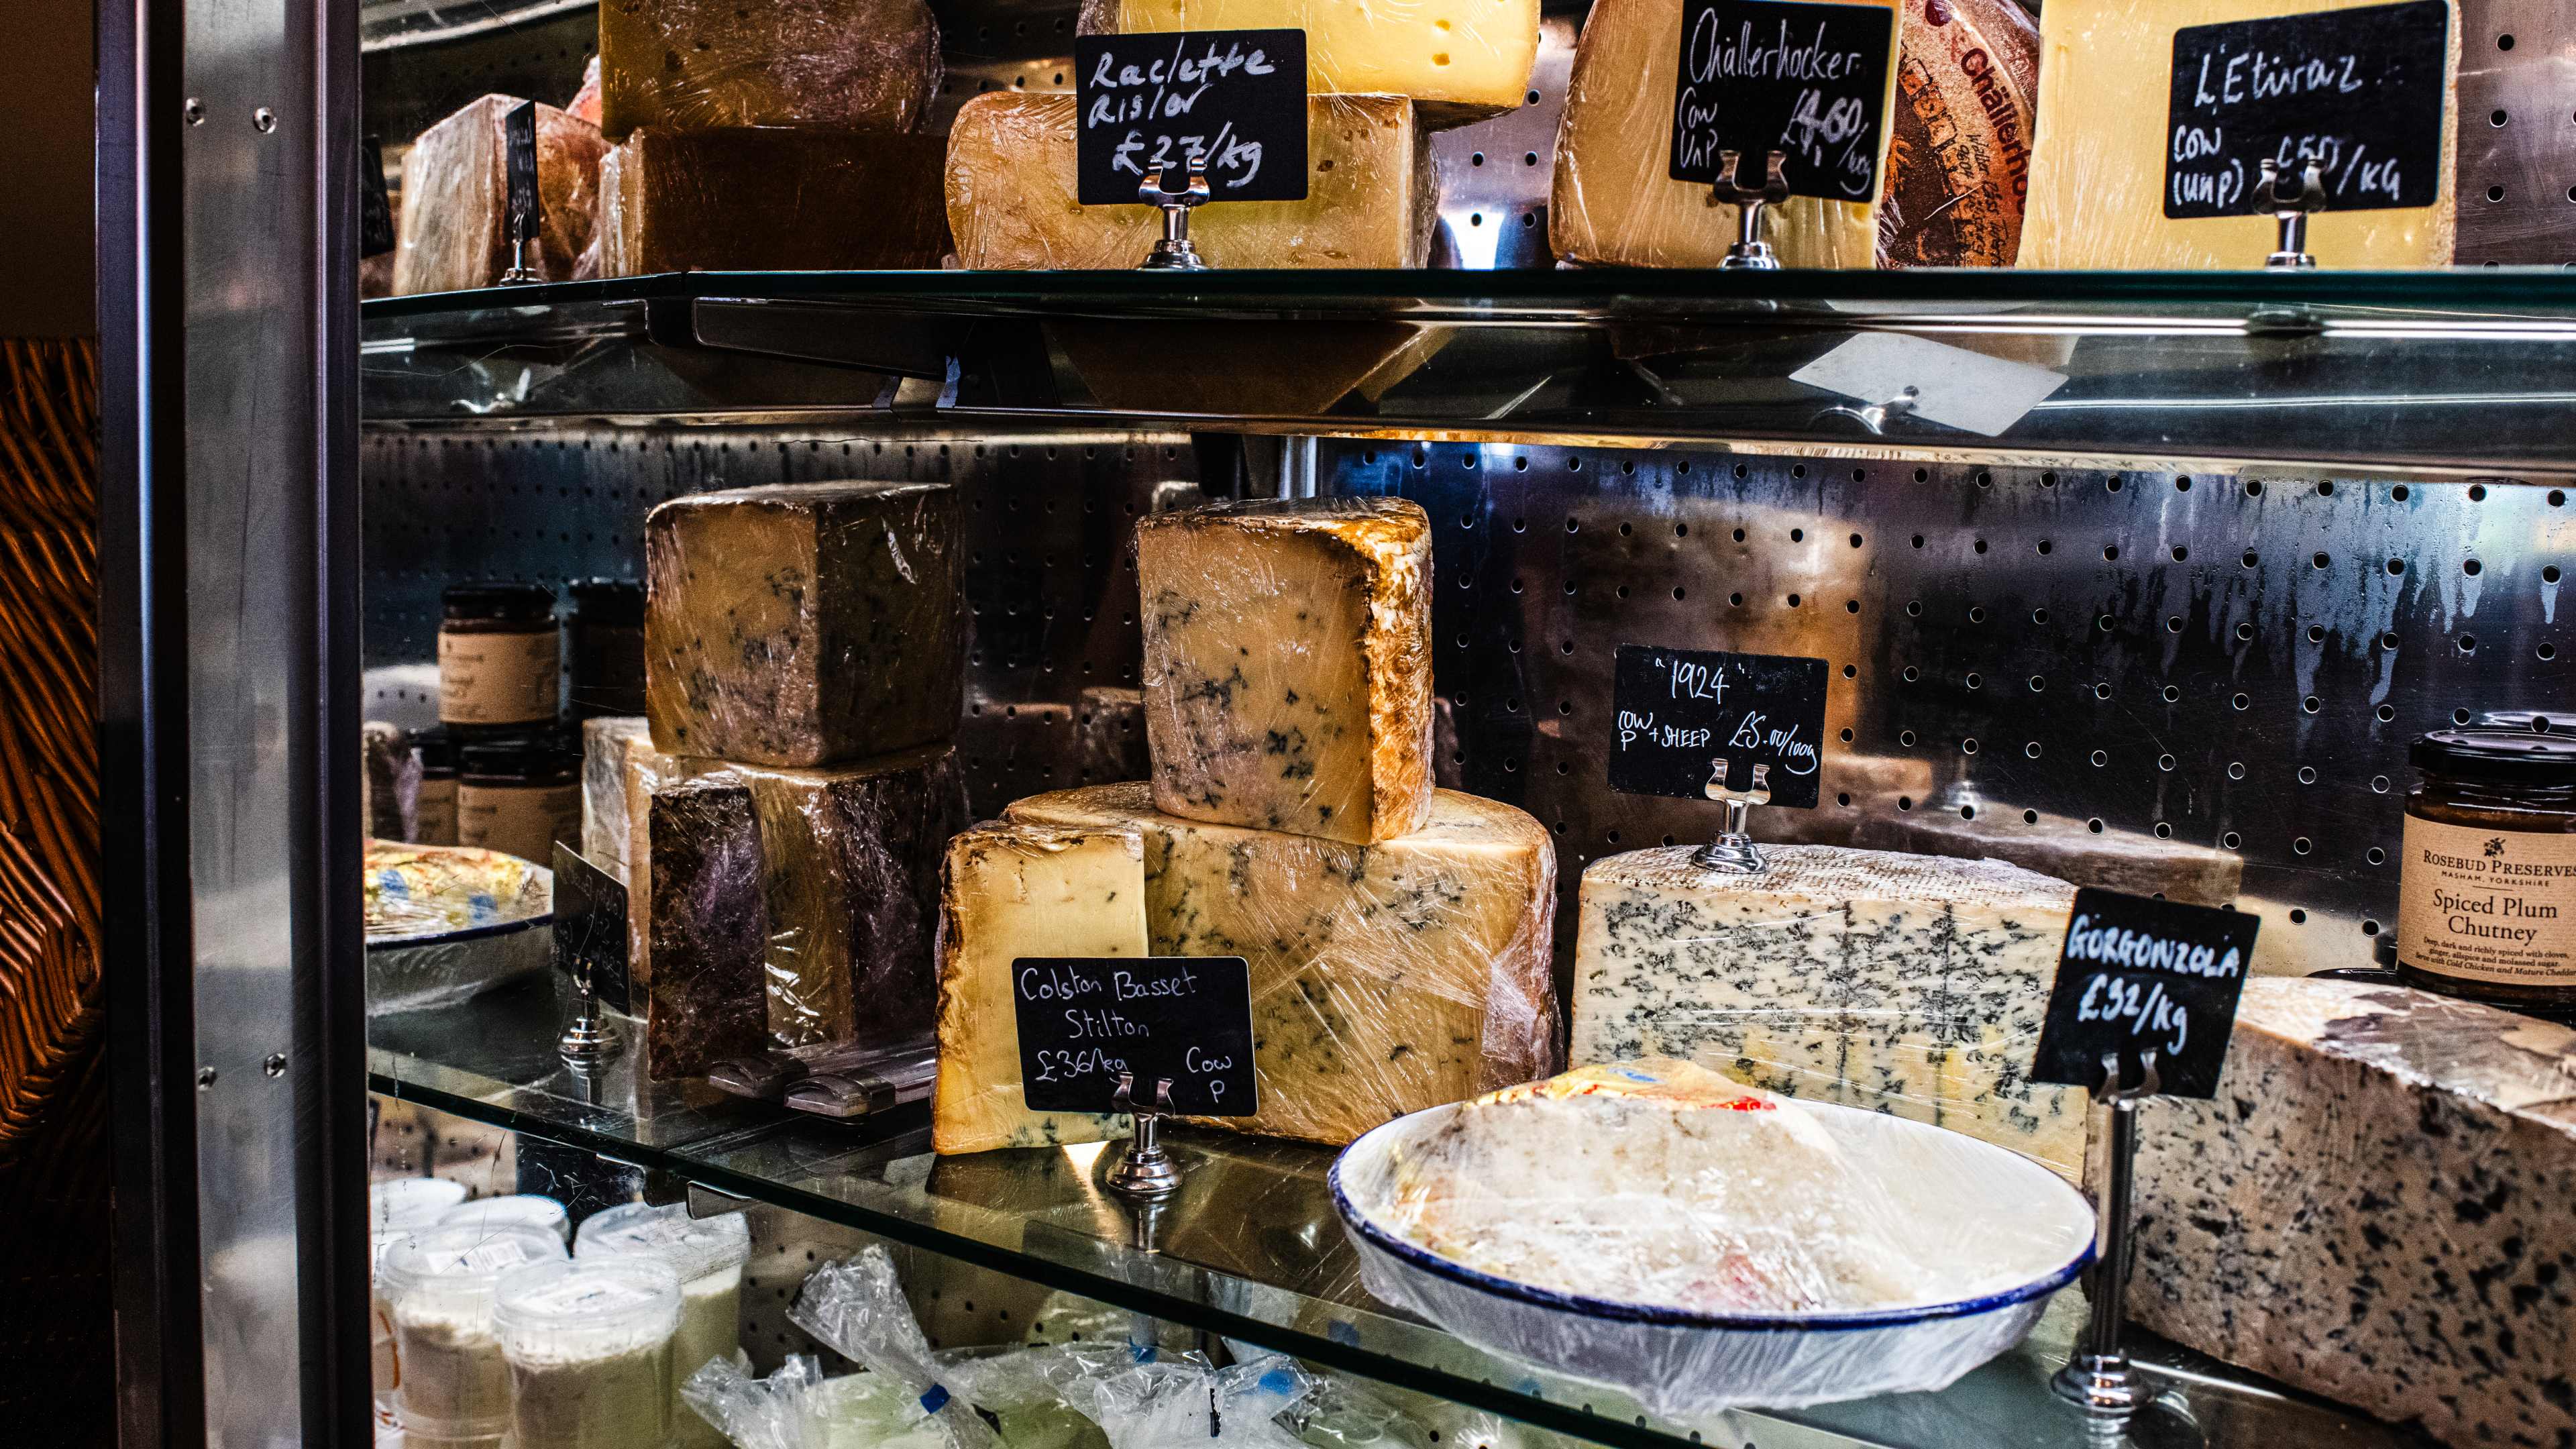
1156 98
1681 710
1085 1019
2359 90
2139 975
1806 80
519 146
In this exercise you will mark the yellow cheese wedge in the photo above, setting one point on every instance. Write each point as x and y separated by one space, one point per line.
1464 59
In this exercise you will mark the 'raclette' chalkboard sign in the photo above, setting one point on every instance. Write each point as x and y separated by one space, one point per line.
1806 80
1154 99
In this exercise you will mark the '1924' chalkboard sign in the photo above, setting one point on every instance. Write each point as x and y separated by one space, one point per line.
1680 710
1085 1019
2139 975
1156 98
2359 90
1808 81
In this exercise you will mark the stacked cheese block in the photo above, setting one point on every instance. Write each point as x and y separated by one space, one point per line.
1397 935
780 813
453 229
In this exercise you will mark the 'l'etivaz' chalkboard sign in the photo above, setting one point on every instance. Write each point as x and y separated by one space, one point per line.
519 145
1680 710
1085 1019
2139 975
1156 98
1808 81
2360 90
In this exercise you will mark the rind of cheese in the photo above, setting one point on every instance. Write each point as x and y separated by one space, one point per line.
706 1001
1287 670
799 624
1386 978
1012 891
1613 199
1012 194
2071 850
2098 168
1901 983
834 65
2374 1207
453 228
675 201
1958 166
606 828
1463 62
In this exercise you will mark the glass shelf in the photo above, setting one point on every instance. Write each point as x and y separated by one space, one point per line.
1250 1248
2465 371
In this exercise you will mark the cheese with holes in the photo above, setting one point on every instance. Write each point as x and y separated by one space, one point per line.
1613 199
453 228
1011 194
799 624
706 1001
2097 178
1287 672
2374 1207
1958 163
1899 983
676 201
1013 891
1463 61
1386 978
832 65
606 743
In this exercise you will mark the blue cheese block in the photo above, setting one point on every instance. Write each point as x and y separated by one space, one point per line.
1901 983
2376 1206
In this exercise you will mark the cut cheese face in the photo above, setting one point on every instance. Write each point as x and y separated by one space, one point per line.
1287 673
834 65
453 231
1613 200
1464 59
2098 169
2374 1208
1012 891
1385 978
827 201
1898 983
1012 196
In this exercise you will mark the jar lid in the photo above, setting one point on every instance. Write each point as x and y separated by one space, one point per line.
607 601
2518 757
518 1210
2539 721
411 1202
437 750
586 1308
499 599
467 1257
694 1247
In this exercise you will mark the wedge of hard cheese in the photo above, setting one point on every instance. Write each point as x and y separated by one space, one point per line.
834 65
1385 978
1463 61
1901 983
453 232
2059 845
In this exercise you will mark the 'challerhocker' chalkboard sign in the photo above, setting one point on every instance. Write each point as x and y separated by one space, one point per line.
2359 90
375 201
1187 1019
519 143
2139 975
1808 81
1154 99
1680 710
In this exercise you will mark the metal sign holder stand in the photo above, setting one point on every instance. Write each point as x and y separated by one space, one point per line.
1175 252
2291 210
1750 251
1733 852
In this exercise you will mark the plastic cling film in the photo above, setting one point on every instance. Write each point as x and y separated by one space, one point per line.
673 201
857 1309
454 229
835 65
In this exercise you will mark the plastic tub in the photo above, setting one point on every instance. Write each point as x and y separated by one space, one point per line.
439 1283
589 1350
707 1254
411 1202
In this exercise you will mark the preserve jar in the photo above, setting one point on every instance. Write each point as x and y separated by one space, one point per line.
519 797
2487 885
500 658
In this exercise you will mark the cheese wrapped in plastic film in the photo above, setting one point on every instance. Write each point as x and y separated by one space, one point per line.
833 65
1012 194
675 201
1385 978
1613 199
1900 983
1463 62
454 221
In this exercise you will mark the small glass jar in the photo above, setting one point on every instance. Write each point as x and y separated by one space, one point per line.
589 1348
500 658
605 631
440 1285
434 806
519 797
2487 889
707 1254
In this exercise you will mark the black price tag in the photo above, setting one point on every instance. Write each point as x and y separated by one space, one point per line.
375 202
1680 710
1085 1019
519 141
1154 99
2360 90
590 927
1808 81
2139 975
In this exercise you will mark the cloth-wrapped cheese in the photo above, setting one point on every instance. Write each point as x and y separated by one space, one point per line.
1462 62
833 65
2072 850
453 230
1287 672
676 201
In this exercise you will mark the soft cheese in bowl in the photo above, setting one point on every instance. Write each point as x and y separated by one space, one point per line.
1703 1245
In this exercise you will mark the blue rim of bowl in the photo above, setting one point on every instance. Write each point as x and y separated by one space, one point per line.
1660 1316
452 938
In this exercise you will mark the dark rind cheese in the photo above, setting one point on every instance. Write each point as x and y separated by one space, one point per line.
673 201
834 65
453 227
710 926
800 624
2062 846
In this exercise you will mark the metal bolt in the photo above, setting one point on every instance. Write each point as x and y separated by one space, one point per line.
205 1078
195 111
275 1065
264 119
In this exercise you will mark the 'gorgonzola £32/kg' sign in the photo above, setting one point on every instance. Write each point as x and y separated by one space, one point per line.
2138 975
1152 100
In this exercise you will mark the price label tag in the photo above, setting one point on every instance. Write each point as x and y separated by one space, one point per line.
1085 1019
2361 90
1156 98
2139 975
375 201
519 142
1806 80
1679 710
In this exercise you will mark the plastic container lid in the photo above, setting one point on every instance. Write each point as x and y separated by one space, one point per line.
519 1210
2511 757
694 1247
588 1308
411 1202
462 1262
529 603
